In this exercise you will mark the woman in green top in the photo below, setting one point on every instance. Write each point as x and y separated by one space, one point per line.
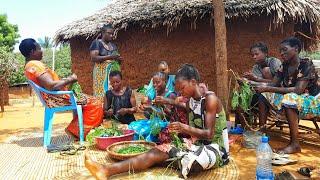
207 130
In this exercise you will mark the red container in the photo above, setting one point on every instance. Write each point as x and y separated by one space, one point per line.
103 142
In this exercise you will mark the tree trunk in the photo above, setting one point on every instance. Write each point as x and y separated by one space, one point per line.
221 51
2 97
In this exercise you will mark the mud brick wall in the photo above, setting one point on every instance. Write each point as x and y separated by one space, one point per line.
5 91
142 50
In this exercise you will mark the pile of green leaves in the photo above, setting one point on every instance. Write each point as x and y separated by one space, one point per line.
132 149
76 88
155 118
142 90
242 96
115 65
103 132
177 142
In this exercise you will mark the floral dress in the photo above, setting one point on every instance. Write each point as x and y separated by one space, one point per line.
307 103
101 70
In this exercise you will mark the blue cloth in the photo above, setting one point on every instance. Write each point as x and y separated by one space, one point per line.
151 92
142 129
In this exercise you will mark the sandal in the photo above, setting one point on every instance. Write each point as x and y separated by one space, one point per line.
72 151
283 161
279 155
305 171
58 148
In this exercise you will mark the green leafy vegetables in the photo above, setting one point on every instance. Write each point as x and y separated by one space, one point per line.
242 96
142 90
103 132
177 142
155 118
76 88
132 149
115 65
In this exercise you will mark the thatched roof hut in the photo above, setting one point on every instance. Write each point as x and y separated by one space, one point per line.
162 23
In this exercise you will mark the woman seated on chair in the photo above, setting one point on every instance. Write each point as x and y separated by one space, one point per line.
41 75
294 91
119 103
264 70
207 129
170 78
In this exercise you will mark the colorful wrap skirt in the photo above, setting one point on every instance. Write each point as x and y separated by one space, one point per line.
307 106
101 83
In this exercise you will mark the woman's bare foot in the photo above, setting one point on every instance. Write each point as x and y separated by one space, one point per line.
291 149
96 169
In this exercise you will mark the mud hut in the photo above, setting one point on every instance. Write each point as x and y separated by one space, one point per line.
179 31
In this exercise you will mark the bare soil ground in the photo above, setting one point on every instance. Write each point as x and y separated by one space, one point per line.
22 116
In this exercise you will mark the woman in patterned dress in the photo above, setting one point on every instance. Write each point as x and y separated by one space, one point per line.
205 150
41 75
294 91
104 53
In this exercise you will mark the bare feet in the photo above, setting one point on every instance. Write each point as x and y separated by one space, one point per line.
96 169
291 149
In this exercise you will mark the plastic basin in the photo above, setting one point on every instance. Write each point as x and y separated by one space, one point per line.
103 142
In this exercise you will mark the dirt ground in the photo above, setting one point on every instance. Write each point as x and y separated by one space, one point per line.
22 116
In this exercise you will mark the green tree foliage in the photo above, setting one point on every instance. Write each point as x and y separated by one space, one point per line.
62 60
18 76
45 43
8 64
62 64
8 33
7 67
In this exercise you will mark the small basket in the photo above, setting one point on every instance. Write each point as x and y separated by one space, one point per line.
112 149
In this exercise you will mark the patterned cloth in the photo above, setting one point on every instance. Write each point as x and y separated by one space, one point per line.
203 154
304 72
91 108
308 103
307 106
272 62
101 71
101 83
151 92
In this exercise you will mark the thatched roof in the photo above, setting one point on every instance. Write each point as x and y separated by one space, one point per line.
154 13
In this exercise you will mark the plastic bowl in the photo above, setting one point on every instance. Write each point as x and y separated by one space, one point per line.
103 142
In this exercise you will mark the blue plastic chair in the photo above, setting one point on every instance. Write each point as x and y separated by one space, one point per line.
49 112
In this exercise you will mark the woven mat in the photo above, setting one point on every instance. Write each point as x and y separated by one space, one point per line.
23 157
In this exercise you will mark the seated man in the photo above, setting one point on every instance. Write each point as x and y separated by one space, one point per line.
264 70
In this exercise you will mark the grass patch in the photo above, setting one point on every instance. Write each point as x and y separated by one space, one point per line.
313 55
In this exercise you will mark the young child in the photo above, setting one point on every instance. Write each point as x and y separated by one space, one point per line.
207 147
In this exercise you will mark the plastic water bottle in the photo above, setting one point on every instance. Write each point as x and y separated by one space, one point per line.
264 160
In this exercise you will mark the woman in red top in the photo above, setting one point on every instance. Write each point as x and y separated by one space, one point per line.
37 72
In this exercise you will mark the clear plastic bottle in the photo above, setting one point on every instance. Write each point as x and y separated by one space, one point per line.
264 160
